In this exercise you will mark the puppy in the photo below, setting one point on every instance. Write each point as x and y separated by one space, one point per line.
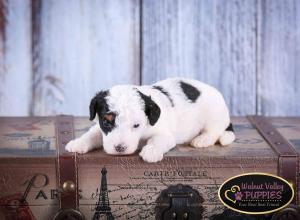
172 111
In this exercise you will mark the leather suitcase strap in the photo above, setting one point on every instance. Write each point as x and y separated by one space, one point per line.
287 156
66 164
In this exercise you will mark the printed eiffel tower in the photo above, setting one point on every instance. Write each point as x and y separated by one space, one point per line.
102 206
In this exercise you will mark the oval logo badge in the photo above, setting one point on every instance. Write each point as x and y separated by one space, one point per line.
256 193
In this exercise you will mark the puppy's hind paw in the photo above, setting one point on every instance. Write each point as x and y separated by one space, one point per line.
203 140
77 146
151 154
227 138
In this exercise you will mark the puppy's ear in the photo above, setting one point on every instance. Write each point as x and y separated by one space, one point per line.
98 104
152 110
93 107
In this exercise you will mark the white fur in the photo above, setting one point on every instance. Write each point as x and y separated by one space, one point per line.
88 141
201 124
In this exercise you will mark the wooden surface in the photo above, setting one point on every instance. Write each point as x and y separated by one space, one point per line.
213 41
278 57
84 46
15 57
55 55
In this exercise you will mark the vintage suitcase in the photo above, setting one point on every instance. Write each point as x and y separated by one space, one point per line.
39 180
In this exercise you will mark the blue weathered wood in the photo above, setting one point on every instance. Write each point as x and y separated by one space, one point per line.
249 50
279 57
85 46
2 46
15 57
213 41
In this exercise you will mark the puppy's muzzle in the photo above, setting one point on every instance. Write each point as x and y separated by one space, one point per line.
120 148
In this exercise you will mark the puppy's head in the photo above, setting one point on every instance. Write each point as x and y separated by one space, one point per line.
124 114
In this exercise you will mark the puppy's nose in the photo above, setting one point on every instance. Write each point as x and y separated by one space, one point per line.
120 148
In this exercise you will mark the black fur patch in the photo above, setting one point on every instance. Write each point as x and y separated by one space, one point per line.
99 106
191 92
230 127
163 91
152 110
107 125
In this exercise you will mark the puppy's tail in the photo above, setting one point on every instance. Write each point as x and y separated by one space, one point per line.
228 136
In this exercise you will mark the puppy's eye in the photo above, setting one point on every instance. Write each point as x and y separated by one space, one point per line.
136 125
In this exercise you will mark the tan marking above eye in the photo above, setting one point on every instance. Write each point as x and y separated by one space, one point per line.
109 117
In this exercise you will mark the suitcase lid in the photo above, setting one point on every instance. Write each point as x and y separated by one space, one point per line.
32 137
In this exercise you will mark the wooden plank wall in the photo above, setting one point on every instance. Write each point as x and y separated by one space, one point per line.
83 46
15 57
213 41
278 57
54 55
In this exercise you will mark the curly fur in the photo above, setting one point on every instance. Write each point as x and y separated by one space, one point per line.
172 111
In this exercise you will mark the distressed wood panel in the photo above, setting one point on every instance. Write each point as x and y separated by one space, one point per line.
278 57
249 50
84 46
2 40
15 57
213 41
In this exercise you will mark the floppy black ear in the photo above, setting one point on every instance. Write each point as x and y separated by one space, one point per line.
152 110
93 107
98 104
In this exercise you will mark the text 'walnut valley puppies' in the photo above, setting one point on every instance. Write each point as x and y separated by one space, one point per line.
172 111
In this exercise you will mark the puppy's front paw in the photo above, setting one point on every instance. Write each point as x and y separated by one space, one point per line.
77 146
151 154
203 140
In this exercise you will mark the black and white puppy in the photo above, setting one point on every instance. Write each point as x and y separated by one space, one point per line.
172 111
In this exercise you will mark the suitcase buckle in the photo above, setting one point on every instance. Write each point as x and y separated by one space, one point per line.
180 202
